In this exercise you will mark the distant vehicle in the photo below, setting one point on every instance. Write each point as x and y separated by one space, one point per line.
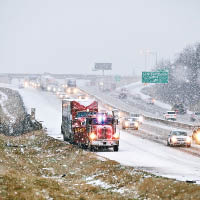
47 82
150 101
63 95
136 96
195 116
196 135
71 83
179 108
138 116
131 122
123 93
170 115
179 138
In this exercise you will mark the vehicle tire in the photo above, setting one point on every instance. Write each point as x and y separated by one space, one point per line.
168 143
116 148
64 137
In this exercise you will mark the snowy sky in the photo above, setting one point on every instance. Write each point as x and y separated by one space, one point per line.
69 36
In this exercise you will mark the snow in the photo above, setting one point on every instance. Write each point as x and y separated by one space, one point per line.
135 88
133 151
155 158
3 99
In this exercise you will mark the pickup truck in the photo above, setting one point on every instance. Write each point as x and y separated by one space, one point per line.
170 115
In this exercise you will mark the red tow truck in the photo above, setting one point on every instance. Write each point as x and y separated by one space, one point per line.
82 124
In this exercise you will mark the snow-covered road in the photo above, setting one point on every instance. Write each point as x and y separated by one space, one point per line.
133 151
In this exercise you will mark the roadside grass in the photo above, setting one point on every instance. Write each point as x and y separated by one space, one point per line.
36 166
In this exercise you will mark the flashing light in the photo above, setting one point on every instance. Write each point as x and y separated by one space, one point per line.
93 136
174 140
101 118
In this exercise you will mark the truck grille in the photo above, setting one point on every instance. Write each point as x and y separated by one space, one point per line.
104 133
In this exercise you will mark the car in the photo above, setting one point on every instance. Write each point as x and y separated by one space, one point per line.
150 101
179 108
123 93
138 116
130 123
179 138
195 116
196 135
170 115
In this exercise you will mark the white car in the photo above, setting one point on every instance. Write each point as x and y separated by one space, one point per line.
139 117
130 123
179 138
170 115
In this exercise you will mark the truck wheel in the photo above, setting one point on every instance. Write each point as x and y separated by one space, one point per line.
116 148
64 137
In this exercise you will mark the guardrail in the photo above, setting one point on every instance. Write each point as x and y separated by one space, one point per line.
149 118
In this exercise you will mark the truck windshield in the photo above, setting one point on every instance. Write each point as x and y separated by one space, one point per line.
85 114
108 121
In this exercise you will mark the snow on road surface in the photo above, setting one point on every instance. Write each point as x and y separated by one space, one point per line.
48 109
135 88
133 151
155 158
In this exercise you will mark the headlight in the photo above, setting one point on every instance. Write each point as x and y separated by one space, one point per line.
174 140
198 137
75 90
126 124
136 124
116 135
48 88
141 119
93 136
188 139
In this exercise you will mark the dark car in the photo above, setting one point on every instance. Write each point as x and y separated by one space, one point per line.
179 108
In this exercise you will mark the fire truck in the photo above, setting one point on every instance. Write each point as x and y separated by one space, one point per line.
83 125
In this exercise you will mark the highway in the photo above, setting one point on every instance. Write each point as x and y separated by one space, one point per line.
136 149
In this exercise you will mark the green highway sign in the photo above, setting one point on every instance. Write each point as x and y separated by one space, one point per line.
117 78
155 77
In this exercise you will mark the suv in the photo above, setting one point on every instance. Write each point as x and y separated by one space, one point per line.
170 115
179 138
179 108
